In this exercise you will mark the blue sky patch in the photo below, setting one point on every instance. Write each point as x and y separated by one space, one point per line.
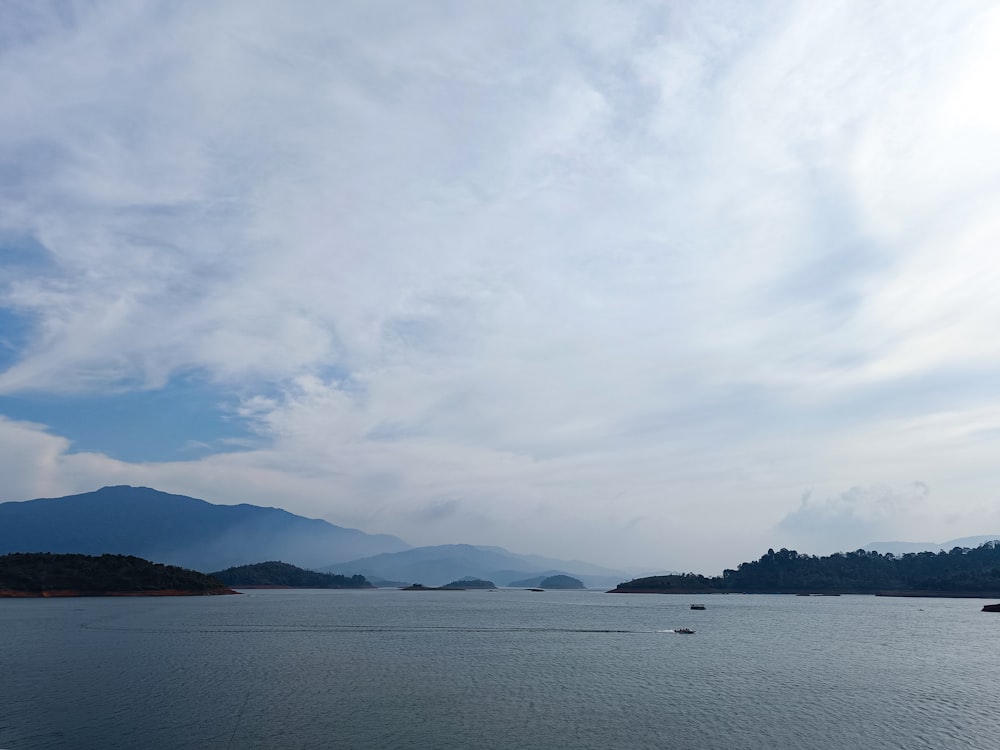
185 420
14 333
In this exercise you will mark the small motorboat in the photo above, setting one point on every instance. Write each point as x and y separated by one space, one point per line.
697 606
684 631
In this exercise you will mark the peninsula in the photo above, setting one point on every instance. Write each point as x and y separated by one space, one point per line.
961 572
43 574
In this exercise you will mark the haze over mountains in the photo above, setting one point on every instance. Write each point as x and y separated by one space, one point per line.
179 530
437 565
196 534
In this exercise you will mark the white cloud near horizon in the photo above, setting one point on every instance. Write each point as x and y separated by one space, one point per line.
620 283
858 513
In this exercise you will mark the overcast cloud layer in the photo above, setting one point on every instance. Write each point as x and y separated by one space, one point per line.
657 284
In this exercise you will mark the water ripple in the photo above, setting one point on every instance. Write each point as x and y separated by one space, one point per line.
563 670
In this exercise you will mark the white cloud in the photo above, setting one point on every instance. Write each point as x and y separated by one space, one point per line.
490 267
833 523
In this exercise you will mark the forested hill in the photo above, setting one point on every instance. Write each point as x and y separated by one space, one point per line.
959 572
45 574
280 574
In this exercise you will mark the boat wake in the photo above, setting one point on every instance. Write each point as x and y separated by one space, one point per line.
354 629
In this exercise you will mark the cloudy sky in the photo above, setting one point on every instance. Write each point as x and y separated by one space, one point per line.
649 284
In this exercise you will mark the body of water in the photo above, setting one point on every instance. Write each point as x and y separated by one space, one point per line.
509 669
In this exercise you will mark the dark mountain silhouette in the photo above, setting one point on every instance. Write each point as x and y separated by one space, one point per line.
440 564
180 530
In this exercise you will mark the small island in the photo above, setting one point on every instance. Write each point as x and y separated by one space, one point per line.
45 574
558 581
561 582
689 583
461 584
281 575
421 587
470 583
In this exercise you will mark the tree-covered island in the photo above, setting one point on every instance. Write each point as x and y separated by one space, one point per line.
470 583
961 572
558 581
462 584
275 574
49 575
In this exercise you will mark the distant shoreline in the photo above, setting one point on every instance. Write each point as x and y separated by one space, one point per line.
891 594
67 593
262 586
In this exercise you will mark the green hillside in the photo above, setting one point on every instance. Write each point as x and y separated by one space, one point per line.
42 573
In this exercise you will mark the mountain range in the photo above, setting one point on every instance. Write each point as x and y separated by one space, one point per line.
193 533
179 530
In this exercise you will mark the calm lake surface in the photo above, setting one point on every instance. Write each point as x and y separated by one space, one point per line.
506 669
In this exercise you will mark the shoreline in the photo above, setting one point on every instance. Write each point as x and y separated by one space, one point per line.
892 594
67 593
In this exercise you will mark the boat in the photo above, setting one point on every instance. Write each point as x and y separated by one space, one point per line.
697 606
684 631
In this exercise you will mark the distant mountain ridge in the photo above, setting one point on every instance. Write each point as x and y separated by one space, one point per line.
437 565
196 534
180 530
901 548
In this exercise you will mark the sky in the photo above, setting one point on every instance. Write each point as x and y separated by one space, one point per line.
649 284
